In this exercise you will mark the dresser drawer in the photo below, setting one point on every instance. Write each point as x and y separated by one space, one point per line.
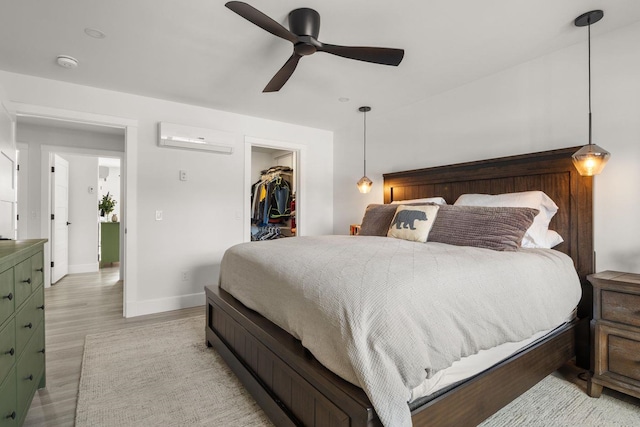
8 403
7 295
37 270
29 369
22 281
8 354
624 357
27 320
621 307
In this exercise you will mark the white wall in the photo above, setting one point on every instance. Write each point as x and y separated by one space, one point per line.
536 106
83 213
202 216
259 162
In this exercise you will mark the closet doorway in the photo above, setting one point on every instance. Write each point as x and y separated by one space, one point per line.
273 190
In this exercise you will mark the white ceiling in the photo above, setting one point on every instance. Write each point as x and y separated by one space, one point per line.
199 52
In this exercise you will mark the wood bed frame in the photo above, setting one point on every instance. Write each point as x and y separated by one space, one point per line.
295 389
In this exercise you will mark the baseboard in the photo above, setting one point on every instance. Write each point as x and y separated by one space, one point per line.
84 268
140 308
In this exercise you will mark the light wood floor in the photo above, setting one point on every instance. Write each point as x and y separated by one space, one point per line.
78 305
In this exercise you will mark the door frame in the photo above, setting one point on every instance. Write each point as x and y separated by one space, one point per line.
299 170
129 183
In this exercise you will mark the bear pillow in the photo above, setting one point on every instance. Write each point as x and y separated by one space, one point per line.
413 222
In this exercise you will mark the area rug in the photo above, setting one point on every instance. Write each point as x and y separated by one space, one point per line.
160 375
164 375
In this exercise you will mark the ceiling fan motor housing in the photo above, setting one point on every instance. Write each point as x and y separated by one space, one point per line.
304 22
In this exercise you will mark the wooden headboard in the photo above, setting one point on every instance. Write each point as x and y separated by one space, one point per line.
550 171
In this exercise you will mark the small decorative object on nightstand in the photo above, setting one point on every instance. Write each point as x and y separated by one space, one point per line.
354 230
616 333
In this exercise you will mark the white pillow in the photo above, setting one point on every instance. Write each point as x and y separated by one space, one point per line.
553 239
536 235
436 200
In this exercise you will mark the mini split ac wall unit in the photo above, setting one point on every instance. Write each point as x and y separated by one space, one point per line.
193 138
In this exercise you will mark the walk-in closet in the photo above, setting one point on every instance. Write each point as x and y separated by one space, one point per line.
273 193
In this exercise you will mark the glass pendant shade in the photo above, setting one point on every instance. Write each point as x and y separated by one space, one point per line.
364 184
590 159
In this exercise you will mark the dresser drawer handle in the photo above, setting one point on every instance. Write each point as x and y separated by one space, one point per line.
9 297
41 269
12 415
11 352
29 325
40 307
30 377
27 280
41 351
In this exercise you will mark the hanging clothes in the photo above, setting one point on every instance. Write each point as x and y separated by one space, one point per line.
271 197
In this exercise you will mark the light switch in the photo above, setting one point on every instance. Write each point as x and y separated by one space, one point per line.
183 175
158 215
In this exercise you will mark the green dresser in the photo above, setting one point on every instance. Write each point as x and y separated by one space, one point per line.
109 242
22 346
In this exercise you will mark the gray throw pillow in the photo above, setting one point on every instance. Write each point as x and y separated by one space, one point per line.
497 228
377 218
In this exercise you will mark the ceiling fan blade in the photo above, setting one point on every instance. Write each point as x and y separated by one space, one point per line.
253 15
377 55
281 77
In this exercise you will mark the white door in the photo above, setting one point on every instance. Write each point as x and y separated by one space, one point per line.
60 223
7 174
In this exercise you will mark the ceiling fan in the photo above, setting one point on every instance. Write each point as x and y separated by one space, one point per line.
304 24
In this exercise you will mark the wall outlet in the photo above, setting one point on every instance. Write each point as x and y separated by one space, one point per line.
158 215
92 189
183 175
185 275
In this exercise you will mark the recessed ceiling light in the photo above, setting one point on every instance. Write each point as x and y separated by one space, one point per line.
66 61
343 99
96 34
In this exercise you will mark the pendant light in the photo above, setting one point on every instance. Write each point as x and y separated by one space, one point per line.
590 159
364 185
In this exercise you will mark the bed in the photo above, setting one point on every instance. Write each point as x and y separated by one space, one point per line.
295 389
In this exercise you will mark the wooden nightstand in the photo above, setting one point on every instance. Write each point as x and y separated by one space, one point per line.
616 333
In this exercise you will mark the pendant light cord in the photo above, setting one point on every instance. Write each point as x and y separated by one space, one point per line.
589 56
365 145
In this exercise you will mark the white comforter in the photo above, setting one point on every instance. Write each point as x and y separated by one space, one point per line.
384 313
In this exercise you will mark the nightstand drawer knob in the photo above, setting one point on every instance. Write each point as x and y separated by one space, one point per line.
12 415
29 325
27 280
41 351
9 297
30 377
41 269
11 352
40 307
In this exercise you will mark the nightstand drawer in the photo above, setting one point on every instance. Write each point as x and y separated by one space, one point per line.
624 357
621 307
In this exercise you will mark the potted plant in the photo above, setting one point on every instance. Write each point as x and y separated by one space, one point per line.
106 205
